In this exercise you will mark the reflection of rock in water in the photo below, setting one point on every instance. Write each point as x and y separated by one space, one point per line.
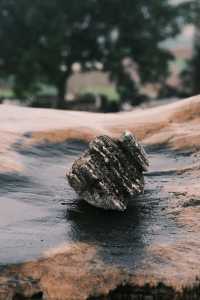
111 231
110 172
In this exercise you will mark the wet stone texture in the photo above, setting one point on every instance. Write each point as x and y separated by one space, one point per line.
55 247
110 172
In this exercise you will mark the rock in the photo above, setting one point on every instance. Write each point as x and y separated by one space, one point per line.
152 250
110 172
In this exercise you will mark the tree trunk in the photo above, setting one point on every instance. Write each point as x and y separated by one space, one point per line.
196 54
62 90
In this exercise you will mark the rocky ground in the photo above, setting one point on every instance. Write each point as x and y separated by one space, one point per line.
152 253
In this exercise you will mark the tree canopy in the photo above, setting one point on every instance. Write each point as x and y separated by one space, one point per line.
191 73
41 40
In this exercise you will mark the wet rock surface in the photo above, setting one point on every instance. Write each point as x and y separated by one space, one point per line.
110 172
55 247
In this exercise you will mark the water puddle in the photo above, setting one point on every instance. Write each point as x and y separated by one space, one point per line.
39 210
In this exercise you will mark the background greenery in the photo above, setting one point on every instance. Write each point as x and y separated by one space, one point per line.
40 41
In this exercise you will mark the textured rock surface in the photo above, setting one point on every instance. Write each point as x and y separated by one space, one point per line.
151 251
110 172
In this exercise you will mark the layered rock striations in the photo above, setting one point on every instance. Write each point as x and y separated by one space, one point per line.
110 172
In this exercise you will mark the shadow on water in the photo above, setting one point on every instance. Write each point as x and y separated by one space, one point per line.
39 210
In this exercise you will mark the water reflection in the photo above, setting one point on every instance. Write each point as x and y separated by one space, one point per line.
122 237
41 212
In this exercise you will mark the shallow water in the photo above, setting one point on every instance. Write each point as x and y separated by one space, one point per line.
39 211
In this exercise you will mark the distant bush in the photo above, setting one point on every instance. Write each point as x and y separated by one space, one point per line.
94 102
44 101
108 105
168 91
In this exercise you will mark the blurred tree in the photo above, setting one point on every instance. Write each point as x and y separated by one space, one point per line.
191 74
41 40
137 30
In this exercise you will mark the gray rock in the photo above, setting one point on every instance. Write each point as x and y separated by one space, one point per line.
110 172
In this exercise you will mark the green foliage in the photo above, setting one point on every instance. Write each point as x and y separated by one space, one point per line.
40 40
191 72
110 92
